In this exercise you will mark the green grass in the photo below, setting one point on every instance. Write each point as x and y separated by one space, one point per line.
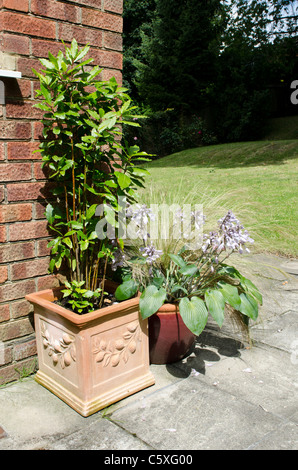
257 180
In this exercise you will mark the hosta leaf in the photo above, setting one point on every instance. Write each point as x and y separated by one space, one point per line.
151 300
189 270
251 289
216 305
230 294
194 314
249 306
178 260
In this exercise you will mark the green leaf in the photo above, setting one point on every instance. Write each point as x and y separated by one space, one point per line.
178 260
53 60
84 244
91 211
139 172
230 294
158 281
74 48
177 287
151 300
50 214
216 305
46 94
126 290
249 306
82 53
194 314
47 64
251 289
67 242
123 180
189 270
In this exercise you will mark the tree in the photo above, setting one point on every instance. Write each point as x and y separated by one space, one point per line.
260 21
137 18
180 53
258 60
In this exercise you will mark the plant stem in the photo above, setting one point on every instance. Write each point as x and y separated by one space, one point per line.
103 281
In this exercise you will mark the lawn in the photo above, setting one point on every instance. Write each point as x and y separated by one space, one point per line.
258 181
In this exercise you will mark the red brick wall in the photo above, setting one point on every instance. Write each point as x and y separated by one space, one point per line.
28 30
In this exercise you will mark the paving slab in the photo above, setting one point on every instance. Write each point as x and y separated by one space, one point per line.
192 415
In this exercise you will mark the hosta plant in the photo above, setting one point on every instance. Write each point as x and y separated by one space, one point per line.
200 281
90 166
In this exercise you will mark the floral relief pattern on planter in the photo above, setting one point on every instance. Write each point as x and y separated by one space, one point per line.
112 352
60 350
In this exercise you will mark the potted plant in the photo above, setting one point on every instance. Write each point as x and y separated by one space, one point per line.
179 290
92 349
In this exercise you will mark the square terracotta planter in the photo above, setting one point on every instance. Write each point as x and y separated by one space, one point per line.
91 361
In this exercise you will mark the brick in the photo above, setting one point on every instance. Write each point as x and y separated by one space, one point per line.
3 274
41 48
13 371
83 35
113 41
37 131
108 59
102 20
53 9
15 172
29 25
2 234
15 44
2 152
28 230
4 312
20 309
27 191
40 208
116 6
12 130
89 3
23 110
17 290
6 354
47 282
23 151
42 248
24 350
25 65
20 5
15 213
2 193
15 329
17 90
41 172
109 73
16 251
27 269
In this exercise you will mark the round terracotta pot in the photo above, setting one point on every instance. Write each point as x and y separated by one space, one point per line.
169 339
